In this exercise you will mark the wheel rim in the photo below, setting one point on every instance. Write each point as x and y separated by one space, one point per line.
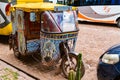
66 68
65 65
73 65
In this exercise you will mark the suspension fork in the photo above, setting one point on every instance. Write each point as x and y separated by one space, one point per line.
10 41
66 49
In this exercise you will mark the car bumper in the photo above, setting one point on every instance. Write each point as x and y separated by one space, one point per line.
106 71
7 30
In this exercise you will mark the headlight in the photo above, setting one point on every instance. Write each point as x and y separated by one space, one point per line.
110 58
70 43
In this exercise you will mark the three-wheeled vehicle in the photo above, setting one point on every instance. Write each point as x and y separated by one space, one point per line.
48 29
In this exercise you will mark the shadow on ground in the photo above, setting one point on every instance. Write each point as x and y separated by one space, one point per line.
97 23
34 61
4 39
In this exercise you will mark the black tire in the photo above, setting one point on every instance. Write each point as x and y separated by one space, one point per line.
65 67
118 23
15 49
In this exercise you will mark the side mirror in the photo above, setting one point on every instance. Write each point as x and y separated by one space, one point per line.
32 17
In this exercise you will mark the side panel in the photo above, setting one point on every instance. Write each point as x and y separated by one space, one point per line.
20 30
50 46
105 14
14 23
33 46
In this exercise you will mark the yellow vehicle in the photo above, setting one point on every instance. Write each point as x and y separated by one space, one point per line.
5 22
27 1
47 29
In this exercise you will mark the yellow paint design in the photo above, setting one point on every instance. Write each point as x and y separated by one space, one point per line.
80 15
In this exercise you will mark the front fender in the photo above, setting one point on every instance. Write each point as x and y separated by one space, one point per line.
75 53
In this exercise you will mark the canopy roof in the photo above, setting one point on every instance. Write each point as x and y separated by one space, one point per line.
42 6
28 1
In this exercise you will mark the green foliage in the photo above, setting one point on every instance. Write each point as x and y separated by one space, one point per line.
9 75
78 73
71 75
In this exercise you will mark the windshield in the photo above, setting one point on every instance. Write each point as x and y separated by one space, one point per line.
65 20
60 21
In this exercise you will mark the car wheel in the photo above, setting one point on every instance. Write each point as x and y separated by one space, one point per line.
118 23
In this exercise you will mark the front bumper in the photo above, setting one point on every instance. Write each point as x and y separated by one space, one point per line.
106 71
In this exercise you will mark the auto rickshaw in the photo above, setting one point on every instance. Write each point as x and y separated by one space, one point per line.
48 29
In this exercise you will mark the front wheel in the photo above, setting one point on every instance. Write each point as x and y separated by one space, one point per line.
66 67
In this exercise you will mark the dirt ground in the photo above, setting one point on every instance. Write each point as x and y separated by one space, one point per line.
92 41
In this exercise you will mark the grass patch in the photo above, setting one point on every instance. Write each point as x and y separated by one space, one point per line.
9 74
